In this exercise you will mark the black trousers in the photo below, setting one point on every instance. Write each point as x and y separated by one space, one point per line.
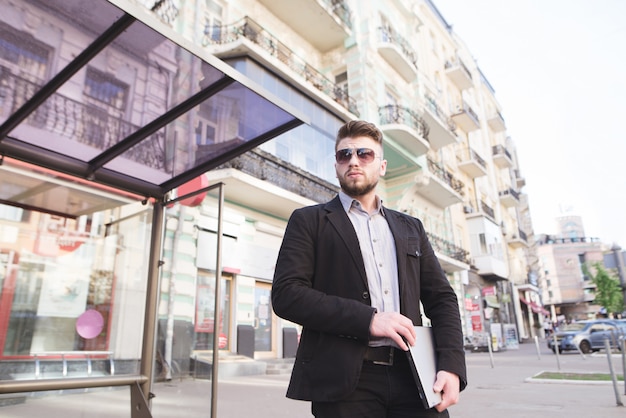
382 392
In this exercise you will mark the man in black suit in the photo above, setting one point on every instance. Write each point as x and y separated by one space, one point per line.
353 273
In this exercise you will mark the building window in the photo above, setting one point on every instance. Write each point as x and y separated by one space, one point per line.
106 89
28 57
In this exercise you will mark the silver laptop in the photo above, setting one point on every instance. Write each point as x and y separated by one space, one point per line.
423 363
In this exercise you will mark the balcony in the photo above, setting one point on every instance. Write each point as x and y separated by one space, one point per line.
324 23
471 163
496 122
439 186
501 156
451 257
405 127
465 118
459 74
442 127
483 210
487 248
398 53
509 197
518 240
519 180
247 37
283 187
81 126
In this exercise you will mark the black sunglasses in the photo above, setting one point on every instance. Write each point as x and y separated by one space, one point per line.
365 155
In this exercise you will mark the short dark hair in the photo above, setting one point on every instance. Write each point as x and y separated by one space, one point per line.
356 128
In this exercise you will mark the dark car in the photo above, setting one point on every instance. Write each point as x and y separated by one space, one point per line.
587 336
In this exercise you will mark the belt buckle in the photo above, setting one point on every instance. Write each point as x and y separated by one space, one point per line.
388 362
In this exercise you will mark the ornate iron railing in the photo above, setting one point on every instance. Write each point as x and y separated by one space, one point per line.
263 165
252 31
341 10
445 176
487 210
510 191
448 248
405 116
80 122
458 63
468 109
466 154
166 10
431 103
388 35
501 149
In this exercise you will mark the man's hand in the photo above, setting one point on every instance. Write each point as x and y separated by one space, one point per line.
448 384
395 326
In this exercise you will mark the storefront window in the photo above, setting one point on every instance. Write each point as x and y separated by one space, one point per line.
73 285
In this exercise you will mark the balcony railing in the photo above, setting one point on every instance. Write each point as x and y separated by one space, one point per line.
487 210
388 35
342 11
443 246
552 239
166 10
402 115
509 197
500 149
436 109
252 31
80 122
445 176
466 155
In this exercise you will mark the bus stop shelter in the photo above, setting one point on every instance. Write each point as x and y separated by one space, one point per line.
50 130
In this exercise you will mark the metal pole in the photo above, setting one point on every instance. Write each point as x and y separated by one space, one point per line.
557 351
146 364
216 316
537 347
623 350
607 346
489 342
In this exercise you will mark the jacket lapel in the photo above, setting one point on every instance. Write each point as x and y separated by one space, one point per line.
340 221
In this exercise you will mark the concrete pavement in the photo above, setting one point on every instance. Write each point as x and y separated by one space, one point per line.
503 390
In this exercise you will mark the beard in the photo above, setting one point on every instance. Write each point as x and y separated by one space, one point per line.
354 189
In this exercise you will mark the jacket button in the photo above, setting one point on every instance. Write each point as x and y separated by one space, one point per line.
366 295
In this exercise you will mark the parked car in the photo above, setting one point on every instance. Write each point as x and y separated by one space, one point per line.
587 335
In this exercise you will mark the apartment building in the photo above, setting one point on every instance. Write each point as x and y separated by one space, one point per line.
245 95
450 160
565 287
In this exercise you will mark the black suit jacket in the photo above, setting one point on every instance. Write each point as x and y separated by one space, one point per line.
320 283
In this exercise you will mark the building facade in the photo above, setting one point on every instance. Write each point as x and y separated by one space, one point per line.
565 287
398 64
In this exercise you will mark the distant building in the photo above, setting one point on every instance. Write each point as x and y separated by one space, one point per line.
564 286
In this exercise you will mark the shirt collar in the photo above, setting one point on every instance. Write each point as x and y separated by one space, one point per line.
347 202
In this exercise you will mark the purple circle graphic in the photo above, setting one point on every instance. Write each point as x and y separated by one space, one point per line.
89 324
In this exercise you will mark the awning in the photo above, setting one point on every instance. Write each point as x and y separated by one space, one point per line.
132 106
536 308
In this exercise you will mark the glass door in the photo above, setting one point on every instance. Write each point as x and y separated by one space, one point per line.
262 320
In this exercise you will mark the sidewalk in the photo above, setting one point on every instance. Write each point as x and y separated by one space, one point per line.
501 391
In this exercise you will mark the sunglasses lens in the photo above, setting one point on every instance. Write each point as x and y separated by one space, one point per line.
343 155
365 155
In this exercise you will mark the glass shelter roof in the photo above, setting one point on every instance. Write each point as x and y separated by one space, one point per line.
92 95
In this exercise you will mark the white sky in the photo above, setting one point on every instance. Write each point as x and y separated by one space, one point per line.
559 71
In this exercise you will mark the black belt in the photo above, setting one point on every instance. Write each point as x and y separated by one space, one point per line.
383 355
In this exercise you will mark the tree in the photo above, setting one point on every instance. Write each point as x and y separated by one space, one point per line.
608 289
